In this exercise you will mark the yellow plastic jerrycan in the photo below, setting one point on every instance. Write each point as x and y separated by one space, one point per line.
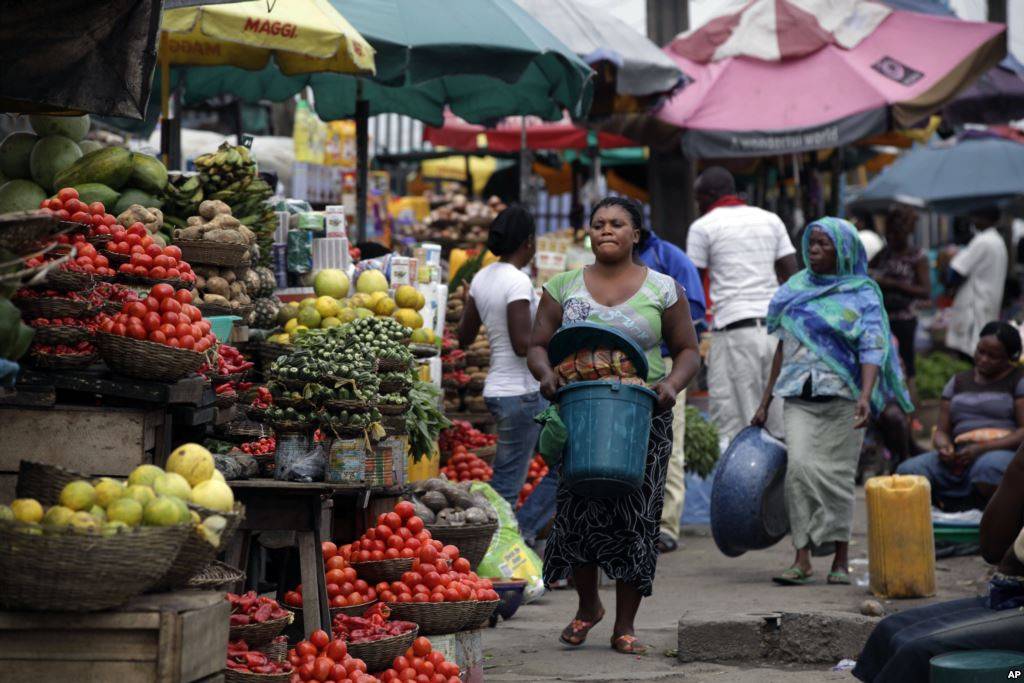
901 545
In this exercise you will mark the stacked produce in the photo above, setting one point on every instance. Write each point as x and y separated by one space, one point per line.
438 574
374 625
55 156
344 587
182 197
599 363
465 466
443 503
151 218
147 260
422 663
455 219
244 660
701 449
165 316
322 658
250 608
398 533
934 370
424 421
230 175
464 435
150 497
538 470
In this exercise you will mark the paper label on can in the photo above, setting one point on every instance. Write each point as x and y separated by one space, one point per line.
346 461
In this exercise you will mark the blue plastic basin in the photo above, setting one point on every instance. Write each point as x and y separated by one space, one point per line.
608 425
748 500
221 326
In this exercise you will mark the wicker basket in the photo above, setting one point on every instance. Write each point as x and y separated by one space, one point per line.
348 610
52 307
68 280
256 414
392 409
434 618
99 241
146 359
472 541
114 258
481 615
224 401
44 482
60 334
232 676
148 282
257 634
392 365
382 570
213 253
276 649
297 403
215 576
196 553
292 426
54 361
73 572
24 230
394 387
380 654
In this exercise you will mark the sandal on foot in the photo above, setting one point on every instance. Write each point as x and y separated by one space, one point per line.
666 544
838 578
628 645
575 634
794 576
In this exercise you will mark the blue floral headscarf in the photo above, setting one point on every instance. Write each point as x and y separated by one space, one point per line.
840 317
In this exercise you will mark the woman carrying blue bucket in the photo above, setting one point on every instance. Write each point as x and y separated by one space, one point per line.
834 365
615 534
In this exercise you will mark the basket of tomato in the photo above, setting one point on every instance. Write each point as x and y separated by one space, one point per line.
256 619
163 337
63 356
249 665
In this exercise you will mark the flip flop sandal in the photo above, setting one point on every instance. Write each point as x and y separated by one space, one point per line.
628 645
577 630
794 576
666 544
838 578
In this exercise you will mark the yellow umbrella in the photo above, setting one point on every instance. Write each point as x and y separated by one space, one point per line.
304 36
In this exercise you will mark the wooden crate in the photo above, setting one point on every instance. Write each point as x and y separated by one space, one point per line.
100 441
178 637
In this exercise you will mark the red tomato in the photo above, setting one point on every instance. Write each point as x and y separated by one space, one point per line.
461 565
173 341
336 650
170 317
170 305
161 291
322 668
167 329
319 639
97 208
173 251
67 193
336 576
421 647
335 562
405 510
350 574
203 345
135 309
162 261
173 273
183 296
153 250
393 520
414 524
383 531
306 647
158 272
151 321
152 303
333 590
137 331
181 329
451 552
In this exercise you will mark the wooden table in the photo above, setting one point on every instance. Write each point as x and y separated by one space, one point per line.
306 509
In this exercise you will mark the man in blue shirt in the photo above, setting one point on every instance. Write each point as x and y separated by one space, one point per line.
668 259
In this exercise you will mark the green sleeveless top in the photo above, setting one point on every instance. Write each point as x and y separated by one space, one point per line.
639 317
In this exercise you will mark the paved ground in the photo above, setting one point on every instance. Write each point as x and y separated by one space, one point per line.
697 580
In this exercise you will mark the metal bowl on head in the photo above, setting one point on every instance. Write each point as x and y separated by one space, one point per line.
748 501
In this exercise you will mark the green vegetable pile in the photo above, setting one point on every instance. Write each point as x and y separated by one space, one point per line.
424 420
934 370
700 446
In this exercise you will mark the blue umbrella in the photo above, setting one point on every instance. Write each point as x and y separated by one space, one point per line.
950 177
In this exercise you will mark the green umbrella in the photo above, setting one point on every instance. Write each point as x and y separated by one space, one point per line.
484 59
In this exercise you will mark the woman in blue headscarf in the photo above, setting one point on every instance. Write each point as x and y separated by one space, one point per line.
834 365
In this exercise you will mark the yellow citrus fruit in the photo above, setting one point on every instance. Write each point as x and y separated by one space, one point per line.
144 475
125 510
78 495
191 461
107 491
27 510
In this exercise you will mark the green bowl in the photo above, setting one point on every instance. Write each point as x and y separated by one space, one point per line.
221 326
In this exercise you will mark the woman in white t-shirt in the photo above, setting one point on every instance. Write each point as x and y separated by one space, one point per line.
502 298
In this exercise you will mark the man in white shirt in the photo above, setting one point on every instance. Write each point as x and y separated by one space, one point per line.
978 274
747 252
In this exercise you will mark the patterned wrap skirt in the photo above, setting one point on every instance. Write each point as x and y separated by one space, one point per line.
619 535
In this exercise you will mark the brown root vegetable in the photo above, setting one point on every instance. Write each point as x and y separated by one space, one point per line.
218 286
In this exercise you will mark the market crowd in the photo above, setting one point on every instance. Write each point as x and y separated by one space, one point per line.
813 342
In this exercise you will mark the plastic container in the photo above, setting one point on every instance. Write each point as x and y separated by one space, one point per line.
901 545
977 666
608 425
748 498
221 326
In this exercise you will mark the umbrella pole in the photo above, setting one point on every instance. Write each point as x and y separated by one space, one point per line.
362 160
165 97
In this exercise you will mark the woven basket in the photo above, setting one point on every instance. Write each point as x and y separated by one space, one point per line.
114 258
348 610
60 334
292 426
148 282
481 615
296 403
338 404
382 570
196 553
68 280
472 541
23 230
392 365
232 676
146 359
99 241
111 307
256 414
44 482
224 401
213 253
434 618
257 634
53 361
276 649
73 572
394 387
218 309
51 307
380 654
392 409
215 576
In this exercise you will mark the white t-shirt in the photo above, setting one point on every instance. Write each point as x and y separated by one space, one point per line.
739 245
872 241
983 262
493 289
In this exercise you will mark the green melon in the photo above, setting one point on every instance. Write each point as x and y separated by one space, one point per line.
74 127
132 195
97 192
50 156
89 146
111 166
15 151
148 173
20 195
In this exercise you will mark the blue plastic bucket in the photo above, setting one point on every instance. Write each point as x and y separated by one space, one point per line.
221 326
608 426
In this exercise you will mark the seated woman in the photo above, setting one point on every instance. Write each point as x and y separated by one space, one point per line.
981 424
901 646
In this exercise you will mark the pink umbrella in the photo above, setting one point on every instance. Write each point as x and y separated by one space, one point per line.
506 136
782 76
